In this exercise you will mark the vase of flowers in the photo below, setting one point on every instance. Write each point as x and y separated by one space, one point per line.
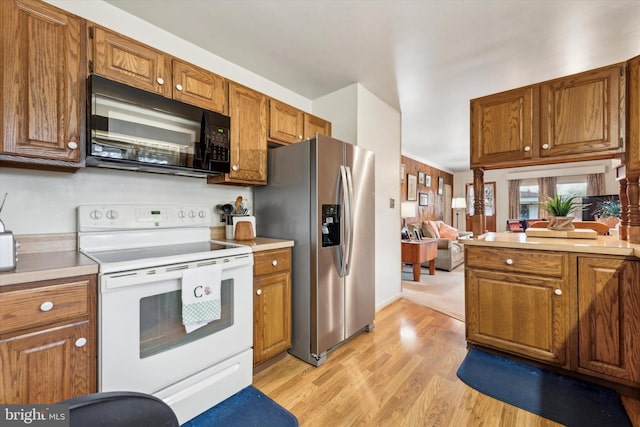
559 208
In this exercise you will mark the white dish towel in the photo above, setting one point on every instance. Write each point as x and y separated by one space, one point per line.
201 301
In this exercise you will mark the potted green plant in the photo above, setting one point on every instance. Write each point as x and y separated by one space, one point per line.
559 207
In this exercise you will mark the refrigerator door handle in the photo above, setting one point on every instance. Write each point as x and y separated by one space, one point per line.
347 216
350 225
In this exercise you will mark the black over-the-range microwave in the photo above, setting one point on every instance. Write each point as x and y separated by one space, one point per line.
137 130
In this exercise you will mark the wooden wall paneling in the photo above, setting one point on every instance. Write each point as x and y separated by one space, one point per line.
435 208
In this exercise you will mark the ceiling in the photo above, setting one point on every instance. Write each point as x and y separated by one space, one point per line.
425 58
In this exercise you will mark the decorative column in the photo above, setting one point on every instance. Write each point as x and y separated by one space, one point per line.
478 220
623 228
633 195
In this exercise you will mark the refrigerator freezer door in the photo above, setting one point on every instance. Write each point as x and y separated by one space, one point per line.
327 293
360 282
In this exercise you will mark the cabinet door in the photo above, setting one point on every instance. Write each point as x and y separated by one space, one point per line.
502 127
609 308
248 112
272 315
286 122
520 314
196 86
633 116
42 81
48 366
122 59
582 114
313 125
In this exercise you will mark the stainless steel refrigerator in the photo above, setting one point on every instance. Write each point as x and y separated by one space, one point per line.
320 193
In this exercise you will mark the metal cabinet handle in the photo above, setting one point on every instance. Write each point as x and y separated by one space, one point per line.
80 342
234 168
71 145
160 80
179 86
274 262
558 292
527 148
509 261
46 306
545 146
299 136
259 292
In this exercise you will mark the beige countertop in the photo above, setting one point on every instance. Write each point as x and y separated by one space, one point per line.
608 245
48 265
264 243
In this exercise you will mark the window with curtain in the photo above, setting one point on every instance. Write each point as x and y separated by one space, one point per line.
530 193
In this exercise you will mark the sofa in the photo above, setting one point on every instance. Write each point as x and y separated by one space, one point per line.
450 250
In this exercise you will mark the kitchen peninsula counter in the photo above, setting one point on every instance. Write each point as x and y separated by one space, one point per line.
603 245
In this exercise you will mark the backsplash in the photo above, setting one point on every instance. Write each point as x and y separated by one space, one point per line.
43 202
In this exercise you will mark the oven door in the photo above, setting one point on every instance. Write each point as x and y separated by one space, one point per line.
144 346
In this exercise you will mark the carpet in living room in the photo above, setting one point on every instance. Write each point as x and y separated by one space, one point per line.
442 292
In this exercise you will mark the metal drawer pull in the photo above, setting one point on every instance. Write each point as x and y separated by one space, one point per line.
80 342
509 261
46 306
160 80
558 292
527 148
259 292
274 262
72 145
179 86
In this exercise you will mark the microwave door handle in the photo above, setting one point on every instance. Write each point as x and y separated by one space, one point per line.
350 224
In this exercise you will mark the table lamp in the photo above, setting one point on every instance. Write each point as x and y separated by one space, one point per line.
458 203
407 210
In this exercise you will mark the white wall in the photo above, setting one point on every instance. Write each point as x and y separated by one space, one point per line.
501 177
361 118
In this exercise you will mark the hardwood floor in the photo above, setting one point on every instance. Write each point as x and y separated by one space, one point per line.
403 373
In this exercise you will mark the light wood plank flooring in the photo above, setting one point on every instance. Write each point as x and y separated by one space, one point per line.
403 373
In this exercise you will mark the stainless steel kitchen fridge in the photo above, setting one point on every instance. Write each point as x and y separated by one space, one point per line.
320 194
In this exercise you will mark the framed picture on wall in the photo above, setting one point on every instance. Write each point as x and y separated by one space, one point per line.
440 185
420 177
424 199
427 181
412 187
401 173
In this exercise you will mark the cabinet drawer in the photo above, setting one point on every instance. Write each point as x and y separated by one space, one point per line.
268 262
42 306
540 263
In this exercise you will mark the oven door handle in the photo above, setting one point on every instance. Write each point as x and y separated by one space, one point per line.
124 280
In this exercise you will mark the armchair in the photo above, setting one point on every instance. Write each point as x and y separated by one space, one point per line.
450 251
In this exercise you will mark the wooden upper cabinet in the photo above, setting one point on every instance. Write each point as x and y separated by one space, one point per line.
197 86
502 127
286 123
127 61
124 60
573 118
633 116
583 113
248 112
313 125
43 82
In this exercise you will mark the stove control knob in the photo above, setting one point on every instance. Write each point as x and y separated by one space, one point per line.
192 214
95 214
112 214
202 214
181 214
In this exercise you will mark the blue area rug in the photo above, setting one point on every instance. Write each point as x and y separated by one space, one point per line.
247 408
557 397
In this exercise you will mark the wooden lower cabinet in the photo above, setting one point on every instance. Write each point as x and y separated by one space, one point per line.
609 318
271 304
577 311
525 314
48 340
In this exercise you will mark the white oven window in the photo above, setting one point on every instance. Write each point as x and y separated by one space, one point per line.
161 327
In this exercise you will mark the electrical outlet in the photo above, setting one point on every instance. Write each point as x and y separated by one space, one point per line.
392 203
